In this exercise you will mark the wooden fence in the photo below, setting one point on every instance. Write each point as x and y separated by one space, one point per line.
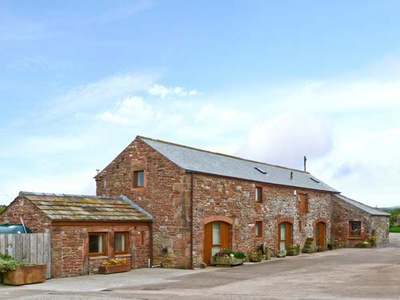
34 248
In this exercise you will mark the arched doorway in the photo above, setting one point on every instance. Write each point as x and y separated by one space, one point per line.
217 235
320 232
284 235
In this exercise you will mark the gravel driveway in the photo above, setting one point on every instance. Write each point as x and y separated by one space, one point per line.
338 274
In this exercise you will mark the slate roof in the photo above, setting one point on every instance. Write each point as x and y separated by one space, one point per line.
62 207
203 161
364 207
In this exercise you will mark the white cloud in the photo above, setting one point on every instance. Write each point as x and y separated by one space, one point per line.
347 127
285 139
129 111
104 92
169 92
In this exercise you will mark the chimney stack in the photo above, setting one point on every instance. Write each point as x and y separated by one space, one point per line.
305 164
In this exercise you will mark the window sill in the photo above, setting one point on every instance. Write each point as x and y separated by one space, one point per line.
98 257
139 188
123 255
355 238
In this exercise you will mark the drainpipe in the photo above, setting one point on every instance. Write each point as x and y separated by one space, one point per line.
191 218
151 242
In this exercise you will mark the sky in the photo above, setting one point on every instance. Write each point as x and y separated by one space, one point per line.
271 81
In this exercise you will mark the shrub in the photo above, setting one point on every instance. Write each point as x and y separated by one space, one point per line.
9 263
255 256
229 252
394 229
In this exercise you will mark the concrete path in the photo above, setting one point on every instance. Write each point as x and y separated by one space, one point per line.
339 274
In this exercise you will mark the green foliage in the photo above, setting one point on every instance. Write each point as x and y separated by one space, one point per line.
2 208
394 213
294 247
394 229
255 256
8 262
363 244
228 252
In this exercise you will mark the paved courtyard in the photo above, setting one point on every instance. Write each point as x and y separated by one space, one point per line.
338 274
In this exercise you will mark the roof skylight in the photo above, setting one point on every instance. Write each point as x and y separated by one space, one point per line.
315 180
260 170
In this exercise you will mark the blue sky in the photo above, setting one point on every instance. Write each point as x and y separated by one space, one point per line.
265 80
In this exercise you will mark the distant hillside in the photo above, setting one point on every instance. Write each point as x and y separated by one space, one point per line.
390 208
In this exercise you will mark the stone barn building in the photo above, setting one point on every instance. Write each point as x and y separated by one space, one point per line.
354 221
204 201
85 230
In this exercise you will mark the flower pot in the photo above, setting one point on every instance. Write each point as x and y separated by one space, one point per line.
25 275
225 261
114 269
294 252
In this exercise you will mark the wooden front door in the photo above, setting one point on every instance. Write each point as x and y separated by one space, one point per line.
217 235
284 235
320 230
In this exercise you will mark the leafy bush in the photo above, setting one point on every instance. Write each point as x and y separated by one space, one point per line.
8 262
363 244
255 256
239 254
394 229
229 252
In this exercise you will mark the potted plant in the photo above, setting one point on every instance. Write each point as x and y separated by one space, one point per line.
227 258
293 250
255 256
114 266
17 272
331 245
281 253
363 244
339 244
372 241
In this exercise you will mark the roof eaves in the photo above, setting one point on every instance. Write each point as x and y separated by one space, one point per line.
127 200
368 209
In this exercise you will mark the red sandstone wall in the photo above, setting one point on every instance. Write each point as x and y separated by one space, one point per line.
70 252
33 218
235 199
167 197
370 225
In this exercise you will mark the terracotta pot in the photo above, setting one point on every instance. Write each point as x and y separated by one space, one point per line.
114 269
25 275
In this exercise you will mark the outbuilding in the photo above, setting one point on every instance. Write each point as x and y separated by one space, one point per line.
85 230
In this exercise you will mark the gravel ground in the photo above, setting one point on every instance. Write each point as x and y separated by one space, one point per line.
338 274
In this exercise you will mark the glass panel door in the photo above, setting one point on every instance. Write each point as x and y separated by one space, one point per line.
216 238
282 238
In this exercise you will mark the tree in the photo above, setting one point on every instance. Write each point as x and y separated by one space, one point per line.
394 214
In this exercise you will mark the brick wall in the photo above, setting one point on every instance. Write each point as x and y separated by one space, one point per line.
167 197
69 244
235 199
70 248
370 225
33 218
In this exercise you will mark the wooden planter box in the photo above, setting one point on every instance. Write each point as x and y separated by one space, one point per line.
225 261
25 275
114 269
